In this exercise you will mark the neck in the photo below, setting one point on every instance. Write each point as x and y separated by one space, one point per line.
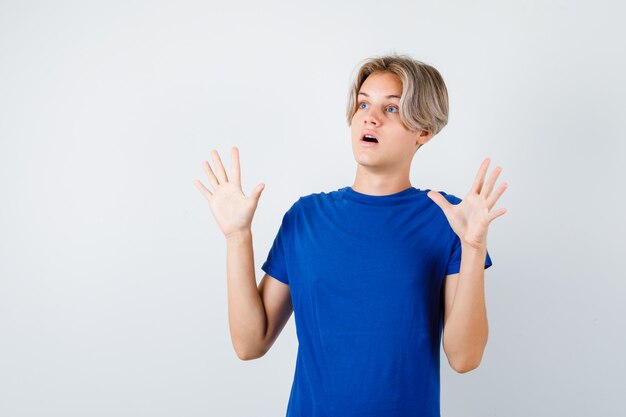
367 182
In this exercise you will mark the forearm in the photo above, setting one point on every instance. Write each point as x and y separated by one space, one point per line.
246 313
465 333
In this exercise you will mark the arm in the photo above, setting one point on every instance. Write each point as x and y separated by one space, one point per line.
465 316
256 316
246 313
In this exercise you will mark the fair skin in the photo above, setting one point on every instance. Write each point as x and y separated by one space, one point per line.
257 315
384 169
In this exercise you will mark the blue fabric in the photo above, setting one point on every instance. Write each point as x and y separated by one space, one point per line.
365 274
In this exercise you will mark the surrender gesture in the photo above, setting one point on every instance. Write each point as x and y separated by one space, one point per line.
470 218
232 210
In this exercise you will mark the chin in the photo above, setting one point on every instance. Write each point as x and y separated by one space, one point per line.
365 160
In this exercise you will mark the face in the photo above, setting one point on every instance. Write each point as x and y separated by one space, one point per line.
379 115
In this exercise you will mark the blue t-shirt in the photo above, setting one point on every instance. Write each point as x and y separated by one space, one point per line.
365 274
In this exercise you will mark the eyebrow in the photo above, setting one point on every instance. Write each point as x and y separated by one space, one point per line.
389 96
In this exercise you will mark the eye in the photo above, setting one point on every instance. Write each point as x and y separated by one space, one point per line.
360 106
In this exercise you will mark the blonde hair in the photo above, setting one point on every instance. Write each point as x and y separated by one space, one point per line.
424 99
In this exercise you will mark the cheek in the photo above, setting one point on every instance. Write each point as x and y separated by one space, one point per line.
401 143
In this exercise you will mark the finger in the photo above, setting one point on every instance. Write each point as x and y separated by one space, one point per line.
205 191
493 198
219 167
235 171
480 176
256 193
486 191
209 174
439 200
496 214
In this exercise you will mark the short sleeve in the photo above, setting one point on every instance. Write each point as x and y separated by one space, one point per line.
454 262
276 262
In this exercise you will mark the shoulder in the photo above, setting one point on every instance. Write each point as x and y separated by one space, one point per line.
318 197
314 203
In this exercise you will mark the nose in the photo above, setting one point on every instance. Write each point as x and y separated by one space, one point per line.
372 116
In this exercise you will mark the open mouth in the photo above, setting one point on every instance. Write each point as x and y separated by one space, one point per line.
369 138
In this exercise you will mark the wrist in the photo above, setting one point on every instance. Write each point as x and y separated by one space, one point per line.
238 236
473 247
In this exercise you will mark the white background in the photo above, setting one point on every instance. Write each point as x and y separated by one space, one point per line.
113 270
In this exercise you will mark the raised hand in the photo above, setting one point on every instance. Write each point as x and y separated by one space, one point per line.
471 218
232 210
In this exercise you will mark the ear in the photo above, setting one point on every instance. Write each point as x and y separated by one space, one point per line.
423 137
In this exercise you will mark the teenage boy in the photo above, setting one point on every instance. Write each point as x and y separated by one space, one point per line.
375 272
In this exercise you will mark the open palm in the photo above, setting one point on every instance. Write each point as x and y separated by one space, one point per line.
470 219
232 209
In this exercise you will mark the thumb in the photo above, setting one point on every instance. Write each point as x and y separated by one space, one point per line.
439 200
256 193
